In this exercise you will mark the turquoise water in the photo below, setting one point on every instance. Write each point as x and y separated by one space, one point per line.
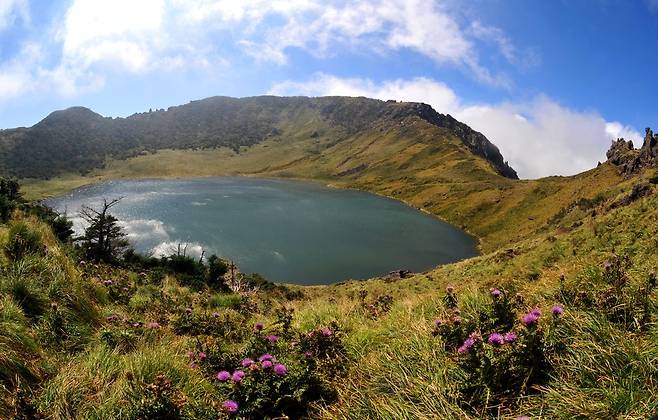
288 231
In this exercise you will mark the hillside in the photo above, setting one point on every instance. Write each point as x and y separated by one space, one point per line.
77 140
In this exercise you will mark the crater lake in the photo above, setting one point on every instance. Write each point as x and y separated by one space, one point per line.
287 231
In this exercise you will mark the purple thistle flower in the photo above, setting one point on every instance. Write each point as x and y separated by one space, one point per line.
223 376
510 337
266 364
326 332
530 319
202 355
237 376
557 310
439 322
265 356
495 292
280 369
247 362
468 343
308 354
259 326
193 365
272 338
230 406
190 355
496 338
537 312
456 319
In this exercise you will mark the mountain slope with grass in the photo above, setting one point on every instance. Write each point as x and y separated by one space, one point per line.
77 140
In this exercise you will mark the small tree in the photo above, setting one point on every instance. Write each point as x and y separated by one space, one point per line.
10 197
103 239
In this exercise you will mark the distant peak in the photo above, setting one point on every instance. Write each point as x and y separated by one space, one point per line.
77 114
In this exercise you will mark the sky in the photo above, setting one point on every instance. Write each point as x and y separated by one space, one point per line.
551 83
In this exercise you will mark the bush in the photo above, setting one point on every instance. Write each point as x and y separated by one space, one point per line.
502 358
278 380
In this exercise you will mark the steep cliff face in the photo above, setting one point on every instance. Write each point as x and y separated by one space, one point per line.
79 140
474 140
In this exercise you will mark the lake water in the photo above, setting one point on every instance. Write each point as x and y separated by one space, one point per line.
288 231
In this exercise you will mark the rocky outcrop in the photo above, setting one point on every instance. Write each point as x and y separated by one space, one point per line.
629 160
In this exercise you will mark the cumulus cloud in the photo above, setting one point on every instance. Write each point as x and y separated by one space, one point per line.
94 40
539 137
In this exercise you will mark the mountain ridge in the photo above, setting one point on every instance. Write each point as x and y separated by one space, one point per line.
78 140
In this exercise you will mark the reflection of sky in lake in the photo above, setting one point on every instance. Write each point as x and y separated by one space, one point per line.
286 230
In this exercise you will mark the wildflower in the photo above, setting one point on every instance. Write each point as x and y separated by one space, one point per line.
326 332
439 323
468 343
202 355
112 318
450 289
272 338
510 337
456 320
308 354
237 376
530 318
266 364
215 314
124 289
557 310
280 369
495 292
230 406
247 362
193 365
259 326
190 355
107 282
188 311
223 376
265 356
496 338
537 312
153 325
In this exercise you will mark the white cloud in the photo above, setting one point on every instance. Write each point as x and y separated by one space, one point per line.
371 26
538 137
94 40
12 11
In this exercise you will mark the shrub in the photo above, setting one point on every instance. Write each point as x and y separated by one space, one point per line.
277 380
502 358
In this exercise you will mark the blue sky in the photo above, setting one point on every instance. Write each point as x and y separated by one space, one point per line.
549 82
